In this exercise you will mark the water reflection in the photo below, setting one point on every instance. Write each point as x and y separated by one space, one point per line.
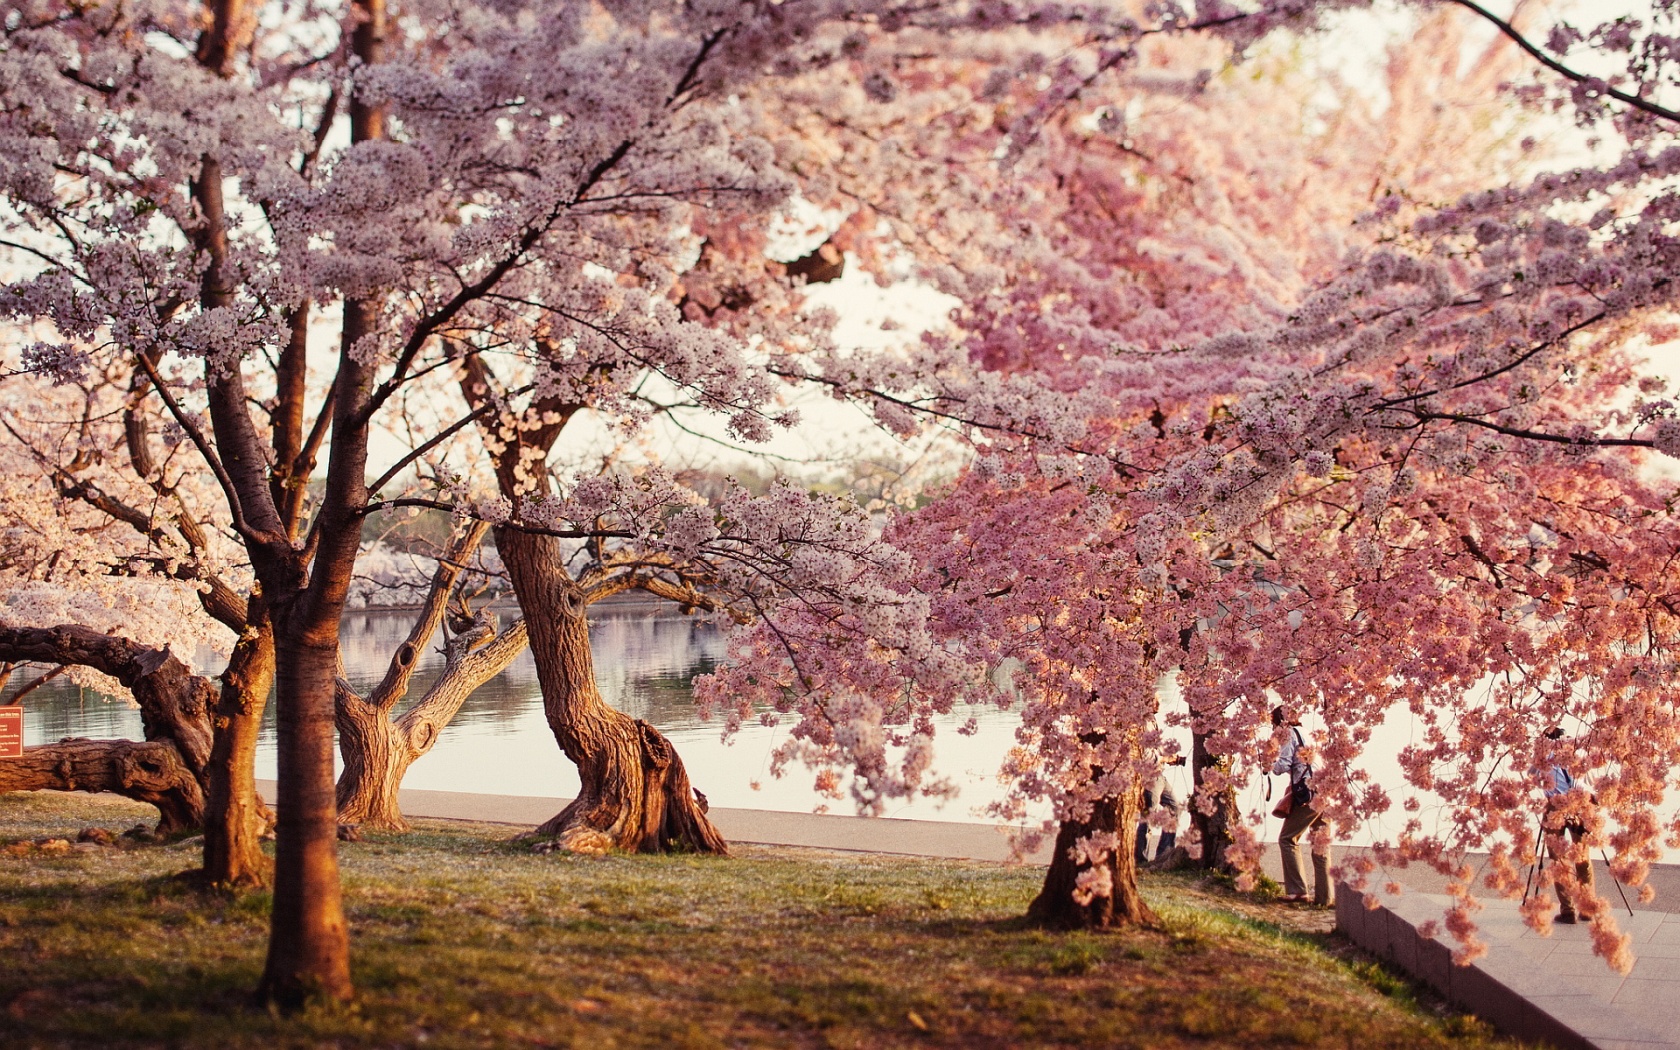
61 709
646 657
645 662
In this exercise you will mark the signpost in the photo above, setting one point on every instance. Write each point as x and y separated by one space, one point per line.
11 732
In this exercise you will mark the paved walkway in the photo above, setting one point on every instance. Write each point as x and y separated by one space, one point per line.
1549 989
920 838
1552 990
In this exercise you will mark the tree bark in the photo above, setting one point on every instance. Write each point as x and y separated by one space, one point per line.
235 817
635 793
1213 827
1057 905
374 763
309 941
174 713
151 772
377 749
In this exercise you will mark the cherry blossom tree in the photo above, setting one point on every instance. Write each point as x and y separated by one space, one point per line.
113 531
572 543
1150 522
182 195
1498 338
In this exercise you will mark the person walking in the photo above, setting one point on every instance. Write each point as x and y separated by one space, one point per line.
1557 782
1300 819
1159 792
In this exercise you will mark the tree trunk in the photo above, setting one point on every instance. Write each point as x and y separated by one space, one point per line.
635 793
1056 905
378 749
235 816
175 706
309 942
1213 826
374 763
152 772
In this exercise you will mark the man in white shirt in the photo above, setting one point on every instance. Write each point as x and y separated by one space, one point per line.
1302 818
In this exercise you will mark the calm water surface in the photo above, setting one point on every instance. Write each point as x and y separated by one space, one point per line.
645 660
499 743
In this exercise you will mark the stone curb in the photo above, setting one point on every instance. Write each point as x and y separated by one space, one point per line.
1498 987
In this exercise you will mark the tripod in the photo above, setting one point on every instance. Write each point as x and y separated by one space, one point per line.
1529 882
1532 883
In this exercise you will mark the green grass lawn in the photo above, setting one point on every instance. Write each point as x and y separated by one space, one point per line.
462 938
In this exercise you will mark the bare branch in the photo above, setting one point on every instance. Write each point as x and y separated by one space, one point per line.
1643 105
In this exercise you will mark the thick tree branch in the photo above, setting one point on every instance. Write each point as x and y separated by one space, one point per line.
406 659
151 771
464 671
174 703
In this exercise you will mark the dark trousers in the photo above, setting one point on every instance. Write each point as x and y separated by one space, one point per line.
1169 837
1567 907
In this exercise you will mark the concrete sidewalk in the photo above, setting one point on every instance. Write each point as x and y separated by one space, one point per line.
1552 990
920 838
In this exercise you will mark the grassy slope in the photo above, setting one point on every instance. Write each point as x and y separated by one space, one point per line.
462 939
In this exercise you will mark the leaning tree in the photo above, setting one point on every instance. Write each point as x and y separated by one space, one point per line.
226 197
1135 222
1417 451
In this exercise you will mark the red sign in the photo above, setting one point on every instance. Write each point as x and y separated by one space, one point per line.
11 732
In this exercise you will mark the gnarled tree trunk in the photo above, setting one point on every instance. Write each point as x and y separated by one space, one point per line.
147 771
1213 826
174 703
1057 904
378 749
374 759
235 816
635 793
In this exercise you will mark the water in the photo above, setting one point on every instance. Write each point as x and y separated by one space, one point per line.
646 657
499 743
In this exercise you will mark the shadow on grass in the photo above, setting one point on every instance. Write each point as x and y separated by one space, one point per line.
178 888
463 939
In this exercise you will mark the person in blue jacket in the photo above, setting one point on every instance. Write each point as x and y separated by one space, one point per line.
1556 782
